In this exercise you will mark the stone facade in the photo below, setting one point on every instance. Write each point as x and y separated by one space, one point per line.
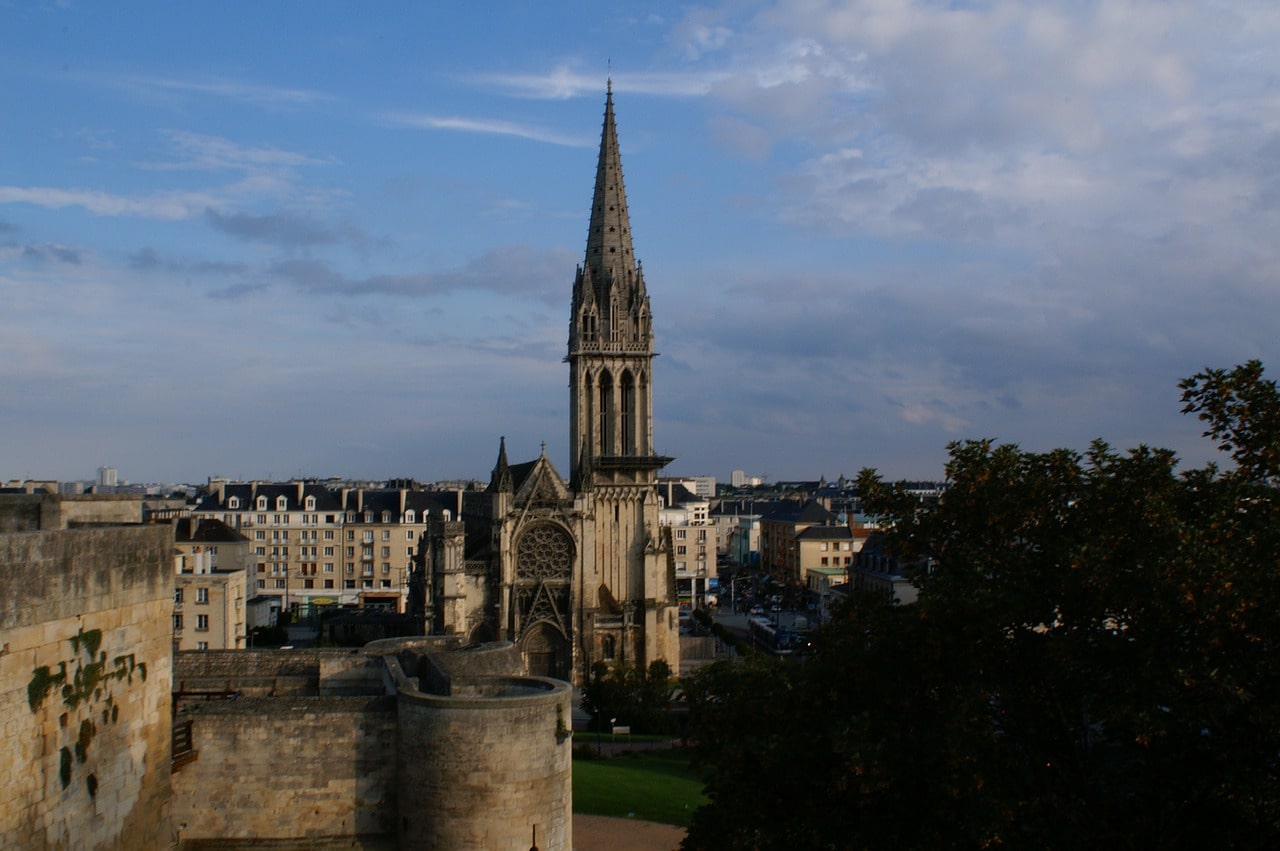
85 688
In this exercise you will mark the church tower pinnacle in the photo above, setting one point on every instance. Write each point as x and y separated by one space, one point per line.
610 339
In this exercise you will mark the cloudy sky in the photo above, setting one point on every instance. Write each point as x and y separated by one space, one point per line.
268 240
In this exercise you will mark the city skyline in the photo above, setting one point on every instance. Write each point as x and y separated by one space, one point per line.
262 243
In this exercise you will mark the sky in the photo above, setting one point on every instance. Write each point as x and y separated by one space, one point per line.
267 240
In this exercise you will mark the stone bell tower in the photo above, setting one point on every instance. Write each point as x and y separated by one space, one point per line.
629 609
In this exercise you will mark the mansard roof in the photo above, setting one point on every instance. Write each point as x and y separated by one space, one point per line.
248 492
389 499
744 507
205 530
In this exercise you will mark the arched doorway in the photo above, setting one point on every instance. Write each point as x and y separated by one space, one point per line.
546 652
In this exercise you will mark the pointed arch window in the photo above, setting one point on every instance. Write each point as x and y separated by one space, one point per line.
628 417
606 414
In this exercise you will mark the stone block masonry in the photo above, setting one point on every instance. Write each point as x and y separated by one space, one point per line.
449 748
85 658
288 768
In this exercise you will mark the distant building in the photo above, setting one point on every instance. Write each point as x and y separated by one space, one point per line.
738 522
877 570
821 582
108 477
796 537
694 542
210 560
314 546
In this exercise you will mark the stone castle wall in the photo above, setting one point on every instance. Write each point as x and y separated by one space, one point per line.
300 768
85 651
446 748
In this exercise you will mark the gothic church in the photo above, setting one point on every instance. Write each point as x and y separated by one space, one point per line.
574 572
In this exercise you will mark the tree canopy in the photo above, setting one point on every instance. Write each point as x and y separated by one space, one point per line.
1091 661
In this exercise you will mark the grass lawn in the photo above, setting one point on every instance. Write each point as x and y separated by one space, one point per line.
646 785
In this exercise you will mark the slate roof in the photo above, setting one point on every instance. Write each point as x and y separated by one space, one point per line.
790 511
380 500
248 492
826 533
207 531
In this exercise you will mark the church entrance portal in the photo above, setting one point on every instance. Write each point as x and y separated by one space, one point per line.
546 652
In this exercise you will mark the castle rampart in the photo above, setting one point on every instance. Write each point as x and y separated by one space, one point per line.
85 647
406 743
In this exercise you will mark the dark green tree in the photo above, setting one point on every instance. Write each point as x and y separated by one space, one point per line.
1090 662
636 698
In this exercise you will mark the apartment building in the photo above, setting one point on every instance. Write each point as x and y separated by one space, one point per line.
210 560
796 537
693 542
314 546
380 535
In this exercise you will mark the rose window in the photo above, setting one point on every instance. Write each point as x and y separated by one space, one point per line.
544 552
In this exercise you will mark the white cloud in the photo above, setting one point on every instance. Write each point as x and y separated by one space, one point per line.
163 205
487 126
198 151
238 90
562 83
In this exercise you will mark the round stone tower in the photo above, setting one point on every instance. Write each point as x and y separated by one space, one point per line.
484 762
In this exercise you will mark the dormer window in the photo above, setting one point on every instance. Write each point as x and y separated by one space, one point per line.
262 503
386 517
233 503
368 517
408 516
310 504
282 503
351 517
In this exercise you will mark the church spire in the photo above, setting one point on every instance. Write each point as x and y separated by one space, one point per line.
500 480
609 252
610 340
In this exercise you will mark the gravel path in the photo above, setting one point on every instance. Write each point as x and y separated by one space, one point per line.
599 833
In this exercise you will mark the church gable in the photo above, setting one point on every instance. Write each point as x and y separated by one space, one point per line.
539 484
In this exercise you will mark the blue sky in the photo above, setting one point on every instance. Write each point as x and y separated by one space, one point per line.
278 239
